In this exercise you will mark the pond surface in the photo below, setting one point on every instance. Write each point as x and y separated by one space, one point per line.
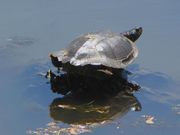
30 30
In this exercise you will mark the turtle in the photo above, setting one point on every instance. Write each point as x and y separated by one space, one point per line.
102 52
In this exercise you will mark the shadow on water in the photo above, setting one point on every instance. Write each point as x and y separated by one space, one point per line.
88 100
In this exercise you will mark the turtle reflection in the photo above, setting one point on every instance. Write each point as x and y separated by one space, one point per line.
88 100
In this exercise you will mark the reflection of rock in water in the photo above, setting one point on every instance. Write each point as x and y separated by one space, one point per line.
72 111
91 100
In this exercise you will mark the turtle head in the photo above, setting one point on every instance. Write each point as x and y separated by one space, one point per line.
55 61
133 34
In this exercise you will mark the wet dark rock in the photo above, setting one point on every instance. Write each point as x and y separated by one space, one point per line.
73 83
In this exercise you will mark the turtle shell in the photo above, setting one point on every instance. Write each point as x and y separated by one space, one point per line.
102 48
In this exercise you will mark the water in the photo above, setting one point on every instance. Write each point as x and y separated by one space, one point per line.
30 30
